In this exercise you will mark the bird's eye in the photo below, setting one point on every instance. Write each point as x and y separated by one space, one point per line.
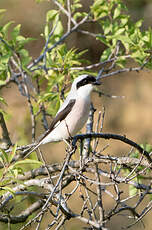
85 81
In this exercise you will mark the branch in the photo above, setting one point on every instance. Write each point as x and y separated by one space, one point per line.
74 28
5 142
89 129
115 137
23 216
55 168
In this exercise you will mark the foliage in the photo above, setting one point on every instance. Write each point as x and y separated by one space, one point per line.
115 26
55 68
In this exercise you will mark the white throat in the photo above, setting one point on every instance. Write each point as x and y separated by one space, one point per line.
85 91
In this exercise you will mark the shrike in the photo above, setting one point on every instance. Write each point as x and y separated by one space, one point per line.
72 114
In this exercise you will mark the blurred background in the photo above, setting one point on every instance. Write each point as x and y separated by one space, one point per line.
130 116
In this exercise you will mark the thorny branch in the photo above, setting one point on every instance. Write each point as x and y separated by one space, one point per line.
54 199
72 172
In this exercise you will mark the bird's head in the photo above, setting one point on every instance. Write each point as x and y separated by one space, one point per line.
83 85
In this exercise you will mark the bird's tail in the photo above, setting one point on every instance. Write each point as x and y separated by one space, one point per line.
32 149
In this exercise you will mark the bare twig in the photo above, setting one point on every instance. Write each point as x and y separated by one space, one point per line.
5 141
113 136
89 129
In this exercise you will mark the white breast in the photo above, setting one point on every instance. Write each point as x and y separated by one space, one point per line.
74 121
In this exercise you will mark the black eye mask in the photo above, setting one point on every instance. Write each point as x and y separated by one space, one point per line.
85 81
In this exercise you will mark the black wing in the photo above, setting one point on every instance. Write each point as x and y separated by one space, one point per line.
62 114
59 117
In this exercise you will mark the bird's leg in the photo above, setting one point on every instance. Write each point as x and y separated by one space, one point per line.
68 143
70 136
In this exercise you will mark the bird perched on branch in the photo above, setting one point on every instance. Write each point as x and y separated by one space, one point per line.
72 114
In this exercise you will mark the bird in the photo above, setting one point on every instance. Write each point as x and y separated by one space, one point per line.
73 113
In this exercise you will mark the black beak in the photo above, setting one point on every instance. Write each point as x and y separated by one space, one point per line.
97 83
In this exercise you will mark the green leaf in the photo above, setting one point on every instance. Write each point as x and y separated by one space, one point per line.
126 41
124 20
2 159
139 23
25 58
62 2
2 100
6 27
4 156
8 189
59 29
16 32
132 190
119 31
22 40
46 31
12 153
135 154
2 82
148 148
100 9
105 54
5 58
51 14
150 37
39 1
117 12
77 15
15 172
138 55
121 61
27 161
75 6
